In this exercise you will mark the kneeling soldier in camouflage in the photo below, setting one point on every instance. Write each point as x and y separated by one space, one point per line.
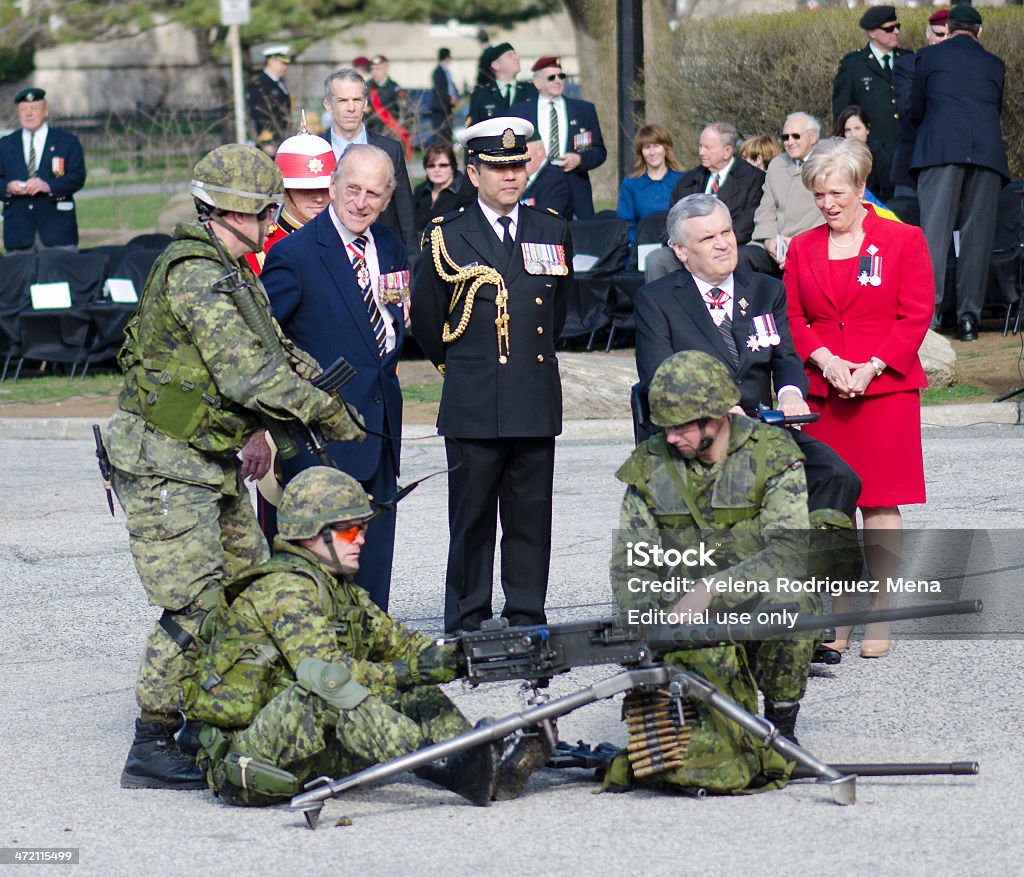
303 675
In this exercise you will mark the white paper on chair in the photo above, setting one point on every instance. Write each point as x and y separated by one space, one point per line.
50 295
121 290
582 262
642 252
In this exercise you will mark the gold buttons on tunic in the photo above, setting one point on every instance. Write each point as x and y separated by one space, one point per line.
540 357
539 300
540 330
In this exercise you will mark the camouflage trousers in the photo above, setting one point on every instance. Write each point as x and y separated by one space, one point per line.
780 666
299 736
184 538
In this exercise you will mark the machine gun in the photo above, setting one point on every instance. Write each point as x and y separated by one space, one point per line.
539 653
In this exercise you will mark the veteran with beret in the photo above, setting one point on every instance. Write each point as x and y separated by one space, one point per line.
41 168
489 298
865 77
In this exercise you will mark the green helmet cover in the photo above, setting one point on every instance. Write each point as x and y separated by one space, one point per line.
238 178
318 497
691 385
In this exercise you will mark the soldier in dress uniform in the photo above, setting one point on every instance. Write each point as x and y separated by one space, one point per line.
489 298
502 89
270 102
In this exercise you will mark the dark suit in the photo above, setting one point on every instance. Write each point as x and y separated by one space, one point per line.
550 191
956 100
316 298
499 419
52 217
741 193
582 119
861 80
398 217
270 108
906 133
441 102
487 101
671 316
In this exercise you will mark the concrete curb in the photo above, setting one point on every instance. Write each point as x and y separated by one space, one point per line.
79 428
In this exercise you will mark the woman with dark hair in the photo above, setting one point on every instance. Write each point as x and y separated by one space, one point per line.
445 189
854 123
656 170
860 293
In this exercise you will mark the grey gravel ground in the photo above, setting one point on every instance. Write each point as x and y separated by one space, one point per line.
75 618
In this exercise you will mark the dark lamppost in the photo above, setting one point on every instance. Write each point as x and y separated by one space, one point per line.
630 50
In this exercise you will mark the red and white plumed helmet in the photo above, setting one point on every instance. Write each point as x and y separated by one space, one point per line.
306 162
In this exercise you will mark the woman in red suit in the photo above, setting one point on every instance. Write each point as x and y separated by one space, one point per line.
861 295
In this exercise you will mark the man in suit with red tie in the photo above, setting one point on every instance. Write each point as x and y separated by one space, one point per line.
740 318
570 131
489 301
41 168
336 287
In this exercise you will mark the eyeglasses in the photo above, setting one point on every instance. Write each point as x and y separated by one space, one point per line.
890 28
552 77
786 137
270 213
346 531
438 164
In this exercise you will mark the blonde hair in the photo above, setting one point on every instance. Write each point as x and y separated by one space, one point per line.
759 148
851 159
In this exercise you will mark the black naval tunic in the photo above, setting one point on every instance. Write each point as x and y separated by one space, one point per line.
486 102
270 107
500 412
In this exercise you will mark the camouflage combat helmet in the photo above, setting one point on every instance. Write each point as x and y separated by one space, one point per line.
317 497
690 386
239 178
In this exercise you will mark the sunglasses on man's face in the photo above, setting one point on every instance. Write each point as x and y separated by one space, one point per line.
270 213
348 531
786 137
555 76
890 28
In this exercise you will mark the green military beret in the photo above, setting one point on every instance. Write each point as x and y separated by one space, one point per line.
965 13
876 16
29 95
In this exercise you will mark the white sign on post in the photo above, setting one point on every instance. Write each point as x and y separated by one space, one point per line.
234 12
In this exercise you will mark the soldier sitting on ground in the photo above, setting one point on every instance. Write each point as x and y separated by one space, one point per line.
303 675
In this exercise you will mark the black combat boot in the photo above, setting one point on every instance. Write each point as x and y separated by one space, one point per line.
471 773
523 756
188 737
782 714
156 762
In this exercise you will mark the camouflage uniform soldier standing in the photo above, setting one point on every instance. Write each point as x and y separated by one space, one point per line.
304 675
198 380
737 486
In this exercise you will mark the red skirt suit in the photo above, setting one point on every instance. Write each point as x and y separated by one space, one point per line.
878 302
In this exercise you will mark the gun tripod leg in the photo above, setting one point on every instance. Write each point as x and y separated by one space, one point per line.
842 786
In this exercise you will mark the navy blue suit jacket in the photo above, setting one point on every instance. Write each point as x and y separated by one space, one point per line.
582 120
315 297
955 101
550 190
53 215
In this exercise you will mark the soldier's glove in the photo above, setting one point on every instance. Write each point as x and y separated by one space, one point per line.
303 364
344 425
431 666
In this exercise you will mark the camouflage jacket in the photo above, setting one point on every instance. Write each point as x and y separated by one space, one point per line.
197 377
290 608
753 503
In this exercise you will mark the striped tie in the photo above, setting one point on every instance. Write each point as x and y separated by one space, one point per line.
33 161
714 184
358 256
717 299
555 147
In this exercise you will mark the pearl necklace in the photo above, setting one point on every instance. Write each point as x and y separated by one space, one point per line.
856 238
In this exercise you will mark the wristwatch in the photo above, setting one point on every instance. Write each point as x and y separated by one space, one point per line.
877 365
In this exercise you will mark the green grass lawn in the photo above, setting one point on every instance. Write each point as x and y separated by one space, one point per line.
942 395
52 388
131 212
422 392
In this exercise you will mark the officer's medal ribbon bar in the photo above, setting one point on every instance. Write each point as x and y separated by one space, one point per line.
544 259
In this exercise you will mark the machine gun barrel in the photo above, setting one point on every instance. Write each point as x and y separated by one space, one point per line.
898 769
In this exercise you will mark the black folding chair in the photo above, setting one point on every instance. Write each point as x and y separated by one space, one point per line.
17 274
1007 262
151 241
649 230
605 241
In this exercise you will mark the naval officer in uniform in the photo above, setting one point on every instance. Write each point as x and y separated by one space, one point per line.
489 299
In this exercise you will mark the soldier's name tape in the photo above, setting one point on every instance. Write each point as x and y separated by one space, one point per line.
814 585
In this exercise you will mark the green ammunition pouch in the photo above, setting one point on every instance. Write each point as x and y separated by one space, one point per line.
245 782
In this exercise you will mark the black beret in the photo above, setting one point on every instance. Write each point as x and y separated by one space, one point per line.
495 52
29 95
965 13
876 16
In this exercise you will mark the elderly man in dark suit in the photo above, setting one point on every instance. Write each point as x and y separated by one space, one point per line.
345 98
335 287
488 304
865 77
956 101
740 318
545 185
41 168
722 173
570 131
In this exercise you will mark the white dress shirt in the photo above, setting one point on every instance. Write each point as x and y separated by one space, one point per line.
544 123
373 266
492 220
723 175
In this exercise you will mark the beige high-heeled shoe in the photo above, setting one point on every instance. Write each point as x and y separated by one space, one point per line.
841 643
876 642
